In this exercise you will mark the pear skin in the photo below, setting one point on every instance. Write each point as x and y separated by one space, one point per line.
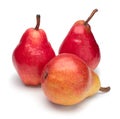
96 85
31 54
67 80
81 42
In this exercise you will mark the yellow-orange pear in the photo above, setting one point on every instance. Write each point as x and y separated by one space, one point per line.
67 80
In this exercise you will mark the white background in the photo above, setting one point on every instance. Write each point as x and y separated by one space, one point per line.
57 16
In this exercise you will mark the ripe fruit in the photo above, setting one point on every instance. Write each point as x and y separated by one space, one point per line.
31 54
80 41
67 80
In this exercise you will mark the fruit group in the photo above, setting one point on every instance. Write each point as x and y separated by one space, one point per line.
67 80
80 41
31 54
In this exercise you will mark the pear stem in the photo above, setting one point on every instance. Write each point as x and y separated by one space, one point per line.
37 22
104 89
91 15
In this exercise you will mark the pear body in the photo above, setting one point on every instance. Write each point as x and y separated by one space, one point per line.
95 84
80 41
31 54
66 79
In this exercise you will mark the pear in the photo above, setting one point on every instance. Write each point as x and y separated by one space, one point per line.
67 80
31 54
80 41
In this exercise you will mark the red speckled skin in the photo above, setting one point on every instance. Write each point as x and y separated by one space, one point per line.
80 41
31 54
66 79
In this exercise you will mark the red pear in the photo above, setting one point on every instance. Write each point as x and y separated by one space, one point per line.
67 80
80 41
31 54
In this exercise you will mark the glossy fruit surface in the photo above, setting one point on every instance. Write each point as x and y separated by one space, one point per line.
67 80
80 41
31 54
